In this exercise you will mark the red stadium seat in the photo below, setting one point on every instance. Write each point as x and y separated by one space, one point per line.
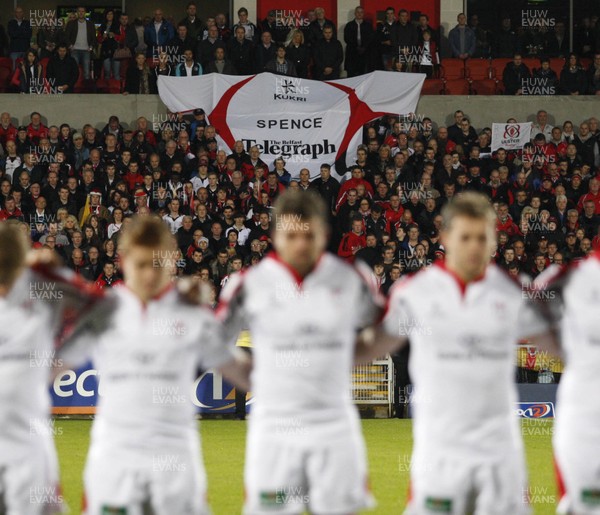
498 66
6 62
457 87
585 62
531 63
5 79
557 64
485 87
452 69
433 87
479 69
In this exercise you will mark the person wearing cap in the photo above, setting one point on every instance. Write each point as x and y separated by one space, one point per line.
240 228
278 30
93 207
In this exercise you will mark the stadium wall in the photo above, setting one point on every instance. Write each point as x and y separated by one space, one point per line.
78 110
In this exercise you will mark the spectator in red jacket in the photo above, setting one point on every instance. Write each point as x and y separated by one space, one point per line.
592 194
36 129
8 132
357 178
353 241
108 279
133 178
505 222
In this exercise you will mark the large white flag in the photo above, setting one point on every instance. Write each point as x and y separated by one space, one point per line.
510 136
306 122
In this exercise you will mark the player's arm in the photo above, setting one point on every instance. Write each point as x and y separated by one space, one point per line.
373 341
234 364
540 315
80 310
237 370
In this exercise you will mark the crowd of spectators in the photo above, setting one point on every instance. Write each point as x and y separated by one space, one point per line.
74 191
73 54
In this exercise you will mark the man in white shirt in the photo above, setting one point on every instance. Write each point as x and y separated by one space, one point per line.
31 305
575 298
303 308
147 344
463 317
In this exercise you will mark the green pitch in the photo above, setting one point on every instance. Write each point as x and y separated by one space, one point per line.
388 441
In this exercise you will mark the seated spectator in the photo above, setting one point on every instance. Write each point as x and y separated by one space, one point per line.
514 74
572 77
546 77
140 79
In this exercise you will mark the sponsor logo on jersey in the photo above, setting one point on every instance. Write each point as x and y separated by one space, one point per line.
109 510
535 409
438 505
591 496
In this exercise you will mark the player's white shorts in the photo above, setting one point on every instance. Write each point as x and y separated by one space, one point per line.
578 474
172 484
31 486
326 477
455 486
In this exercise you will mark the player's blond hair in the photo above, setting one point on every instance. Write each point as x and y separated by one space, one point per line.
469 205
13 250
147 232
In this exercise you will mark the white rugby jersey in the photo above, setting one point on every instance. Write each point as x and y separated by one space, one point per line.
147 357
575 291
29 322
303 337
462 357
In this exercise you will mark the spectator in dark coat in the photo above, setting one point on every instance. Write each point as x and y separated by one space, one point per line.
31 74
194 25
514 74
328 55
317 26
62 71
241 52
403 35
207 47
299 53
157 33
221 65
359 36
265 52
505 42
573 78
19 32
593 75
140 79
462 39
